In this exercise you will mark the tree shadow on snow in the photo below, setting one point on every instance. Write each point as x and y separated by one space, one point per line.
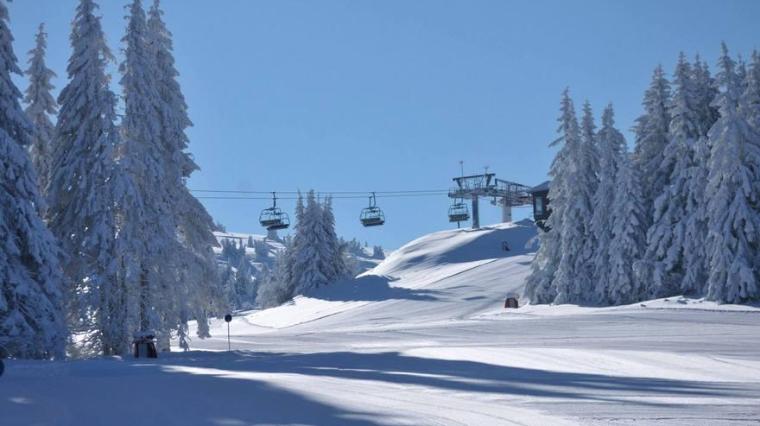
370 288
156 393
470 376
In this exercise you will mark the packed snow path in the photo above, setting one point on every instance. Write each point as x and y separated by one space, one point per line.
423 340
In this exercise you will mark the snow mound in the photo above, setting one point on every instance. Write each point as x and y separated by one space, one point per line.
299 311
441 254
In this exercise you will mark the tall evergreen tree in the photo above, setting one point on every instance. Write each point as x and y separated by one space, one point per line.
143 155
334 265
628 236
611 145
588 169
31 317
751 108
86 188
666 237
195 225
40 106
651 139
695 229
734 215
541 285
573 279
571 210
309 254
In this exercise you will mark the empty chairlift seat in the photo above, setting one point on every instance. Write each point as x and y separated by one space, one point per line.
458 212
273 218
372 215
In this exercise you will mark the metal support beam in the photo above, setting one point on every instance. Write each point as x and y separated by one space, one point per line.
506 211
508 194
475 213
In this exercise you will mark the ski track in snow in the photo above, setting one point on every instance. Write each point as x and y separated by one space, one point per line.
423 340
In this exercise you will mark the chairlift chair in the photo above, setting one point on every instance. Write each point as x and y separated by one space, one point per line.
273 218
372 215
459 212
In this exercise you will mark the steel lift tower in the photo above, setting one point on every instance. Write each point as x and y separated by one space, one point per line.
502 193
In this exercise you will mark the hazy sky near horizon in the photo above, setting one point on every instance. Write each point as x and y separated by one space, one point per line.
359 95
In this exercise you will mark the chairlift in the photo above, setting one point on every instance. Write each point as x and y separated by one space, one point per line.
372 215
273 218
459 212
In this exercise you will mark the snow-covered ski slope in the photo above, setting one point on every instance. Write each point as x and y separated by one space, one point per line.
422 339
449 274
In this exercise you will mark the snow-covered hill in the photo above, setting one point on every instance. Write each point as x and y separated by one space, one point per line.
442 275
423 339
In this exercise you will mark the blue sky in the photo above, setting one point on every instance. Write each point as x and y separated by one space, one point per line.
355 95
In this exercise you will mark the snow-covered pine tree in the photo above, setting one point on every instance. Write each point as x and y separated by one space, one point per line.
666 237
192 218
651 139
589 172
86 186
40 106
334 266
733 212
695 259
611 145
143 156
540 286
571 200
628 235
751 108
291 274
309 253
31 298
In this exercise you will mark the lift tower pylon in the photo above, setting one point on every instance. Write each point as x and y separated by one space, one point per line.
502 192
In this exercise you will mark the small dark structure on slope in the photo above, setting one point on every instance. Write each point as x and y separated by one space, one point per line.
511 302
145 345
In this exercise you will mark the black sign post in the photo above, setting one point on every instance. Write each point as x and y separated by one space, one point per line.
228 319
2 366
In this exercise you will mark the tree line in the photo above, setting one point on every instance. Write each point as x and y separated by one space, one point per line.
101 236
678 215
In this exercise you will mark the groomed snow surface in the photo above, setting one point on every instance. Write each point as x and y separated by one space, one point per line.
422 339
